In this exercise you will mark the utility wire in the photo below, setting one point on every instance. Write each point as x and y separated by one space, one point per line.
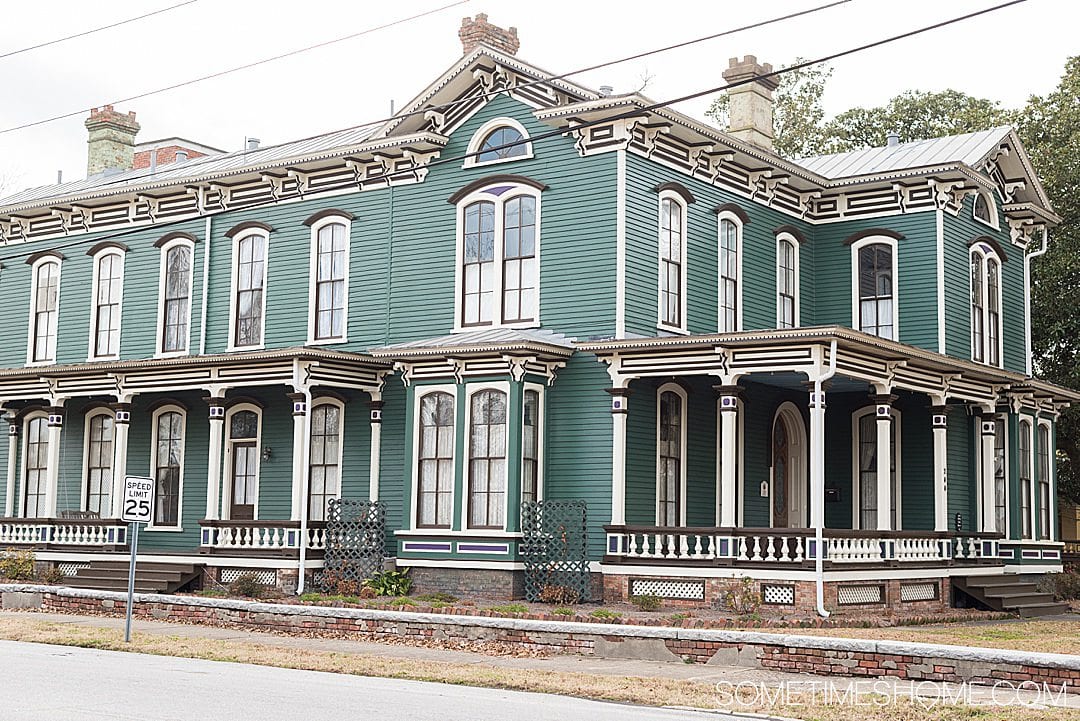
238 68
84 33
585 124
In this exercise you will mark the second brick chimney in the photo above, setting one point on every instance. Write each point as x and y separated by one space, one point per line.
474 32
111 141
750 105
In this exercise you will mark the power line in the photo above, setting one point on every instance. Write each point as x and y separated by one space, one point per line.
84 33
238 68
584 124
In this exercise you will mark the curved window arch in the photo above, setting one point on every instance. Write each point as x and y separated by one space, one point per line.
985 305
167 465
108 294
329 302
787 281
243 453
35 464
789 467
730 230
487 458
435 460
864 471
44 310
1026 471
873 279
984 210
174 314
673 261
324 457
670 455
247 320
498 141
98 474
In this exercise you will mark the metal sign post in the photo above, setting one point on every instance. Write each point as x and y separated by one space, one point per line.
137 508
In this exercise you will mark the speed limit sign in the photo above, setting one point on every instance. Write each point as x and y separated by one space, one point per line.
138 500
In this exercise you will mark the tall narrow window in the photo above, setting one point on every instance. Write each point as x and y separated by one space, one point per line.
244 474
993 311
331 264
250 284
35 465
487 460
729 276
519 260
108 291
99 463
978 309
530 446
1043 477
985 304
435 472
866 458
46 300
176 298
671 262
1000 471
479 263
325 459
1025 480
875 284
787 279
168 466
669 459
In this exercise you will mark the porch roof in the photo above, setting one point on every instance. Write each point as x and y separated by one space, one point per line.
487 341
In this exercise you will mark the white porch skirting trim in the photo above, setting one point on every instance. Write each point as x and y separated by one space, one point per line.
781 574
195 559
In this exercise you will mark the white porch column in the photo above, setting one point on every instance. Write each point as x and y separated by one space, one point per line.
817 458
940 423
729 416
121 426
376 445
883 414
216 415
52 471
619 408
12 465
299 470
986 468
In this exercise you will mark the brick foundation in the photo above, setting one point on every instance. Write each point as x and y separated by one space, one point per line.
503 585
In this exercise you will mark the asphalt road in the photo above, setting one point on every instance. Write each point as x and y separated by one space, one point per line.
56 683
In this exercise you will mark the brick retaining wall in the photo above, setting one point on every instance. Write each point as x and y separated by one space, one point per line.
782 652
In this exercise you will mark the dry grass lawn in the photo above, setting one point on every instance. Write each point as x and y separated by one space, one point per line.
642 691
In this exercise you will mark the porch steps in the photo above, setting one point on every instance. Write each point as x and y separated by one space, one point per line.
149 577
1012 593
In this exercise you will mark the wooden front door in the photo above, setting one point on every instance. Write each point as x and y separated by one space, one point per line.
244 469
781 485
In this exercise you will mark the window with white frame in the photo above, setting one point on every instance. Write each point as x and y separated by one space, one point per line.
99 462
787 282
325 457
874 271
35 465
531 444
985 305
672 261
175 305
983 209
670 454
498 141
730 274
487 459
44 310
108 295
435 440
499 257
1043 479
249 286
167 464
1026 490
244 424
865 453
329 279
1000 474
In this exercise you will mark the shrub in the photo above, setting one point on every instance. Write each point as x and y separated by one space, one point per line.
559 595
510 608
1065 586
247 584
743 598
17 565
54 576
390 583
605 613
648 602
563 612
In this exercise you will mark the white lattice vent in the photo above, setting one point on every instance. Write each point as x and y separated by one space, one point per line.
855 595
266 578
780 594
927 591
687 590
70 569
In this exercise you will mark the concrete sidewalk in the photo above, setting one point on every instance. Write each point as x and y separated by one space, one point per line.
713 675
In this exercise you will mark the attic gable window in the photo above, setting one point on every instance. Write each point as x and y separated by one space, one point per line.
498 141
984 211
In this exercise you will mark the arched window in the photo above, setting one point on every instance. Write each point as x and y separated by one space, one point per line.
176 279
1027 507
108 294
324 458
35 465
167 465
875 274
99 462
983 209
245 424
672 261
435 461
329 279
865 462
670 455
730 273
498 141
249 284
787 282
44 309
985 305
487 459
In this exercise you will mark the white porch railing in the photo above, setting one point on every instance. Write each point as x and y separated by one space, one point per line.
793 546
62 532
242 536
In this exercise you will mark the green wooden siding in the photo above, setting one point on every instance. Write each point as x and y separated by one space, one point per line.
962 446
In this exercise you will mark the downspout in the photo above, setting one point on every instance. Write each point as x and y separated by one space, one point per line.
304 494
205 284
818 475
1027 298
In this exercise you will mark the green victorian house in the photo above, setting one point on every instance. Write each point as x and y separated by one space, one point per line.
520 289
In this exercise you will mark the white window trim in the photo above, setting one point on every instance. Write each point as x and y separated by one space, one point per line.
780 239
1051 478
682 328
681 501
988 254
234 269
540 421
313 282
162 272
315 403
1032 452
414 474
471 390
979 472
500 257
737 221
855 248
87 419
179 527
856 520
472 153
31 325
92 345
24 441
991 206
227 486
739 465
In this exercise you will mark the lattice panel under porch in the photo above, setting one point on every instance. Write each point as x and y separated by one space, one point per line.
266 578
686 590
855 595
778 594
70 569
927 591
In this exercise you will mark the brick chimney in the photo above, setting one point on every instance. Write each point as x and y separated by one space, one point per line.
750 106
111 142
480 31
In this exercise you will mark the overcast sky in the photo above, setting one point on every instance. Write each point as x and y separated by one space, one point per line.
1005 56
